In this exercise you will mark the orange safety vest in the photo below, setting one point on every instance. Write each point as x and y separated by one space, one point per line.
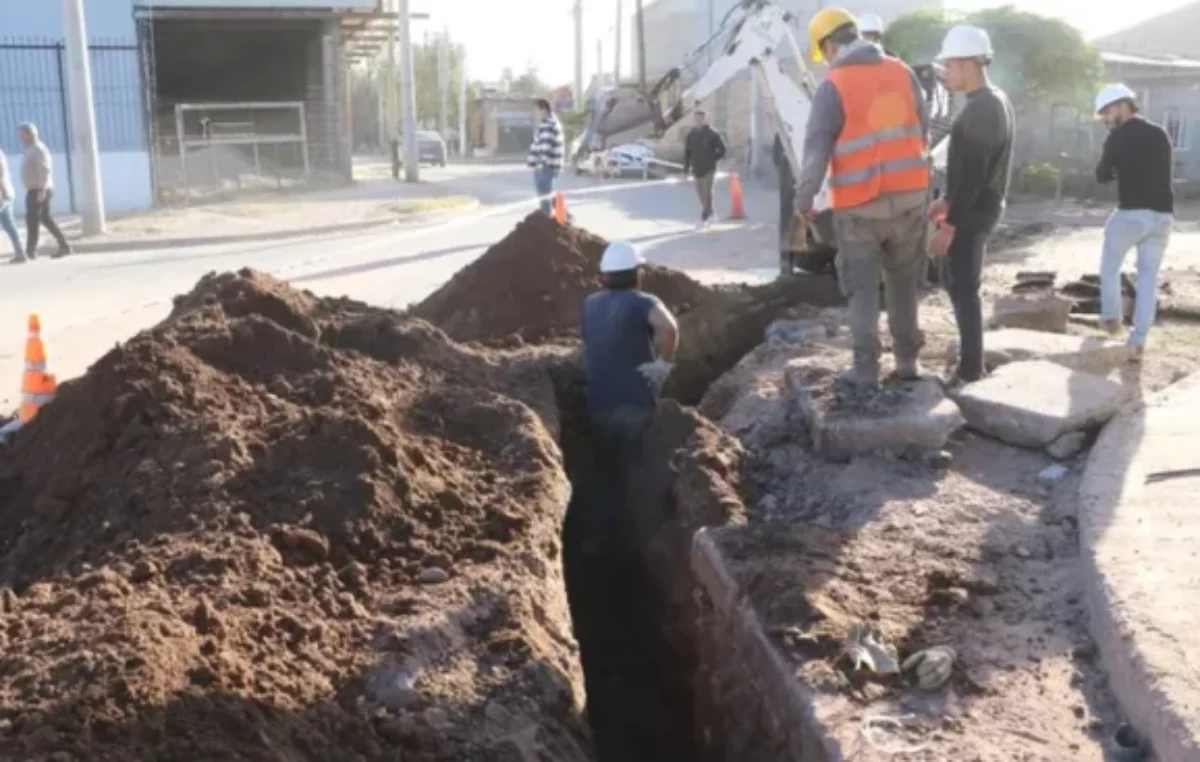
882 148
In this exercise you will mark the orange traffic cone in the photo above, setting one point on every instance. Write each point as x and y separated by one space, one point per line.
37 386
737 211
560 208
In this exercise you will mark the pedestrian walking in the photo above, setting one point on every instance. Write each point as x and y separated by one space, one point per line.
37 175
1138 155
546 153
978 169
8 198
702 151
867 130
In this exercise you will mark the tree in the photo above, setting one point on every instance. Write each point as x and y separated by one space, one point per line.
529 83
1038 60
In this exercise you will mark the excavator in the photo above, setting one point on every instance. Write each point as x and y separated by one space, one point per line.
756 35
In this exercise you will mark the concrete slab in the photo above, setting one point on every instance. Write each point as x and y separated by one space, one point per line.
1139 514
1085 353
1032 404
1036 313
901 417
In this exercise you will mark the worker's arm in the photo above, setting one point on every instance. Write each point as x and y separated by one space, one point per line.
687 152
666 331
1106 170
537 148
825 123
718 147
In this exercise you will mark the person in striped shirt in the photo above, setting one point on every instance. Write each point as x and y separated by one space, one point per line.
546 153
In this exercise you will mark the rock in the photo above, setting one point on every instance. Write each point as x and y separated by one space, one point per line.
433 576
1038 313
797 331
1067 446
1032 404
1052 475
900 417
1082 353
393 686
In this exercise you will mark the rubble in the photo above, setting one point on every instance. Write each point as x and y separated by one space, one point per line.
1041 313
1035 403
1083 353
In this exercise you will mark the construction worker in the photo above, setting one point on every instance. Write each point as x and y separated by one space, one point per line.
867 130
1138 155
977 175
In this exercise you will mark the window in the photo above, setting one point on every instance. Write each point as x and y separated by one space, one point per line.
1176 126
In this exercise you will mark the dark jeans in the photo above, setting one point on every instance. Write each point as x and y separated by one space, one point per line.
543 181
961 271
37 214
704 190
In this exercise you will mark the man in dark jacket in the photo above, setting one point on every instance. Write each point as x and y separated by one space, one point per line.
703 149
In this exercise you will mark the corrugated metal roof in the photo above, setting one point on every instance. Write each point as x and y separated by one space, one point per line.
1172 33
1160 62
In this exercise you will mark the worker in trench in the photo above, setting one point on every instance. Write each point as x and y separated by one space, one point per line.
629 344
1139 156
977 176
867 131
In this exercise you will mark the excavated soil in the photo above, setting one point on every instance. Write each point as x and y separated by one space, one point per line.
530 286
281 527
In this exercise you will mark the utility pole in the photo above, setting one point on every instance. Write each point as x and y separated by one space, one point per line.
578 53
755 124
641 43
83 116
391 90
617 47
600 62
408 94
443 72
462 105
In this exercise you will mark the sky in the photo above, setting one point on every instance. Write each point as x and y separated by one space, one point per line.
513 33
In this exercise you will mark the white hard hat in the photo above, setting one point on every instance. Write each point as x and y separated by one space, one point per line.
620 256
870 23
964 41
1113 93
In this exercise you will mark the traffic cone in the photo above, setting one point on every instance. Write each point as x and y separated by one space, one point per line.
37 386
737 211
560 208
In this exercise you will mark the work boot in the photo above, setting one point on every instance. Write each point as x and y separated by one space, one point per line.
1136 354
909 370
1111 327
18 259
63 251
860 378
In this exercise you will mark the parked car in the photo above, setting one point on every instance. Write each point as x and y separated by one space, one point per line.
431 149
626 160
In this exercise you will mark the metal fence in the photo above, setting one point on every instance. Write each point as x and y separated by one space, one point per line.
33 88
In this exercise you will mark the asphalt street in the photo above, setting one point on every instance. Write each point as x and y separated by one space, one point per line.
90 302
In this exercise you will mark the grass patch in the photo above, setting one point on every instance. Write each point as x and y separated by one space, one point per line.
433 204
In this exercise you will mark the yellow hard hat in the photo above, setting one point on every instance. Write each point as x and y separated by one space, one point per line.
826 22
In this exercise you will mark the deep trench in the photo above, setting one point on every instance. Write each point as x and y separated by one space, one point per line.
639 655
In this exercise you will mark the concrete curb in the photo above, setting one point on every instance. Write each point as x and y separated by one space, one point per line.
1114 477
146 244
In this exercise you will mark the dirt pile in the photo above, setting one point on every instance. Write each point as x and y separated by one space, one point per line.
280 527
530 286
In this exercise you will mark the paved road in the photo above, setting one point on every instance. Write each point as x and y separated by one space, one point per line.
90 302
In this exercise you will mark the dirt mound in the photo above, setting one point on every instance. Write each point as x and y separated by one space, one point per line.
281 527
531 285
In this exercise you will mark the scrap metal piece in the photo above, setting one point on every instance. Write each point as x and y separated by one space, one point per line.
868 649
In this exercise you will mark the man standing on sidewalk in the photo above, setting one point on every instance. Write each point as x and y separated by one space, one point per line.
1138 155
37 175
702 151
7 201
547 152
977 174
867 130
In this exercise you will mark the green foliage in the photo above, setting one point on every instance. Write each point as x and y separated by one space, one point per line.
1038 59
1039 179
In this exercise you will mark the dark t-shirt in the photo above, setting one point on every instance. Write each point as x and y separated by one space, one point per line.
1138 154
617 338
979 164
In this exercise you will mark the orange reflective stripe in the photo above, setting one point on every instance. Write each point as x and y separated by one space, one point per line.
881 148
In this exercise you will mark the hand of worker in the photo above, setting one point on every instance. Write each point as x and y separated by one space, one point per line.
941 241
656 373
937 210
41 196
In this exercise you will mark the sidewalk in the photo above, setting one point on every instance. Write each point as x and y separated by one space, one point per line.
368 203
1139 532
